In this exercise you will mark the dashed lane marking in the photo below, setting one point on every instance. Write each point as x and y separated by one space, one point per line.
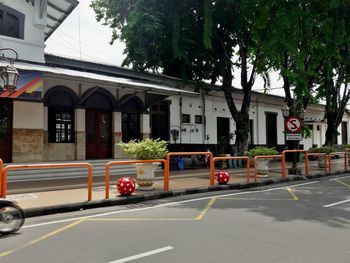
337 203
142 255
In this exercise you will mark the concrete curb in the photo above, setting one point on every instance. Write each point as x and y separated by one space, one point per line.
41 211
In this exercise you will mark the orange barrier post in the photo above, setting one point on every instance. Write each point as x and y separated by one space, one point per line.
263 157
306 161
1 183
45 166
109 164
211 165
236 158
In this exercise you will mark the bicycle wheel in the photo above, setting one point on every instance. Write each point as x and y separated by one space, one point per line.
11 218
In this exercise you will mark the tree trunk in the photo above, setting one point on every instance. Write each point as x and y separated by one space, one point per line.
242 133
332 128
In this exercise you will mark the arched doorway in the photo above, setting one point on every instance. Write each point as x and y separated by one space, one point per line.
98 124
131 109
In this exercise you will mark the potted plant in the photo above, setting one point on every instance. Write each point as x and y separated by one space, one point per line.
262 164
323 149
147 149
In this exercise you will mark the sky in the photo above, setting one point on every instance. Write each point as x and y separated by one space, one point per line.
81 36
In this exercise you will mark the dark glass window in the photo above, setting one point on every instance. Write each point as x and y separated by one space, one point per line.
198 119
186 118
61 125
11 22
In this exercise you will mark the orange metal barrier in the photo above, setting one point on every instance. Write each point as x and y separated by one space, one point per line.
338 153
263 157
236 158
108 165
167 172
1 167
45 166
318 154
294 151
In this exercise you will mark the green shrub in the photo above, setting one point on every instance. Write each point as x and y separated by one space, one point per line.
258 151
147 149
323 149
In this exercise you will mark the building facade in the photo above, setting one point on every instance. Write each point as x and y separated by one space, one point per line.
70 109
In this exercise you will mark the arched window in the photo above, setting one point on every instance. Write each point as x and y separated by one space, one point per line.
60 117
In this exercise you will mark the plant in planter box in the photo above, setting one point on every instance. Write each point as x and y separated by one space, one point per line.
147 149
323 149
263 164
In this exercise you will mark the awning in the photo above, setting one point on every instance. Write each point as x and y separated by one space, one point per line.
57 12
130 83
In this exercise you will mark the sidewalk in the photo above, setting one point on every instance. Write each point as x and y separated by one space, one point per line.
181 183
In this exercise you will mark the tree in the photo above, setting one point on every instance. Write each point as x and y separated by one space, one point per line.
196 40
335 75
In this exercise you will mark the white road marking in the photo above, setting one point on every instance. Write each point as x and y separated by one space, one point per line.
142 255
339 178
337 203
163 205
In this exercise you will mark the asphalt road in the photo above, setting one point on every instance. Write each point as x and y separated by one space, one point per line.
304 222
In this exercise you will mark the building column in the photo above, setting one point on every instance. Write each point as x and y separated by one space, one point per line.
80 138
145 126
117 134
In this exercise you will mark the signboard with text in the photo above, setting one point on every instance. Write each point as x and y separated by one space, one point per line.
293 136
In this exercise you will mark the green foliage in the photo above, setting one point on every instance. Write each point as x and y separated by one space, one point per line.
346 146
147 149
258 151
323 149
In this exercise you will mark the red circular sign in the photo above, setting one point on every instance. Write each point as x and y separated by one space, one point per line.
293 124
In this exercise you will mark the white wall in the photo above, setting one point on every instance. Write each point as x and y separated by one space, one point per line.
32 46
28 115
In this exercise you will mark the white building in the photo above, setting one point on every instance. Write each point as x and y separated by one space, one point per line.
68 109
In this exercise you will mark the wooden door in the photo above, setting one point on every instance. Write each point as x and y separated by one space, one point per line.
98 134
6 130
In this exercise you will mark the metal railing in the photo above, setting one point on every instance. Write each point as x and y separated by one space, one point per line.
44 166
170 154
236 158
109 164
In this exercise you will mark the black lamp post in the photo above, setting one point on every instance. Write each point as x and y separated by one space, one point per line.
292 144
9 74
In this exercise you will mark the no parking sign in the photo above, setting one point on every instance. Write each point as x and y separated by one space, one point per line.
293 124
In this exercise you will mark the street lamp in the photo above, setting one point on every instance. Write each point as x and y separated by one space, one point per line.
9 74
285 111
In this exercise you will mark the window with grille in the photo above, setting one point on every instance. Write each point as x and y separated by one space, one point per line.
61 125
11 22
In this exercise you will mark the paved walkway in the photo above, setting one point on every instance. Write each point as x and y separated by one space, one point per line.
179 180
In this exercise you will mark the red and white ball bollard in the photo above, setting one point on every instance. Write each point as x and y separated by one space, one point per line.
125 186
222 177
